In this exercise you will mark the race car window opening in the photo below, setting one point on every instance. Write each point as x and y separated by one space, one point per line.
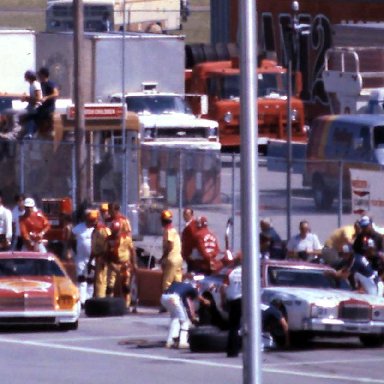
300 278
29 267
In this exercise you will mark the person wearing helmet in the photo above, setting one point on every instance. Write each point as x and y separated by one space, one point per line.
116 216
99 256
171 260
33 227
206 248
122 258
188 235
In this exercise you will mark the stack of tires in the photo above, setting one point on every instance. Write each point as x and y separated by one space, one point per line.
207 338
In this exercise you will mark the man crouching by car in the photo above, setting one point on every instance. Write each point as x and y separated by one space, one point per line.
178 301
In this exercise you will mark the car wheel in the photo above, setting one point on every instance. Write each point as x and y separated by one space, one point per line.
207 338
69 326
210 315
322 196
106 306
372 340
300 339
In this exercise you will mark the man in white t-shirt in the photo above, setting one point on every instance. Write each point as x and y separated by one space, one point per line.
82 233
17 211
5 226
305 245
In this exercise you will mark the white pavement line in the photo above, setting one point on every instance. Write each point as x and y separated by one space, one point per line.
92 338
121 354
317 362
325 376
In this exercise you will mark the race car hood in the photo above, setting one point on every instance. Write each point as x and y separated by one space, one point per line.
315 295
27 285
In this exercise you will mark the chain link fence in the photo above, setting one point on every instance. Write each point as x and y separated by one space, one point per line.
171 177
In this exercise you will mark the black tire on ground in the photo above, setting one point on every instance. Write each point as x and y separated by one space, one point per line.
207 338
106 306
69 326
372 341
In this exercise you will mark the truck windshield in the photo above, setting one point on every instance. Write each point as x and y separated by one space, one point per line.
267 83
156 104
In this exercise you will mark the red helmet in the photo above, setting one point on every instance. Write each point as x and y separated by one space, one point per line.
115 226
166 215
202 222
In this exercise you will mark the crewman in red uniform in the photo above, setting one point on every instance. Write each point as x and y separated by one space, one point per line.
206 248
33 227
188 235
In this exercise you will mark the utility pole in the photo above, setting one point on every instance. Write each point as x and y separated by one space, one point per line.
80 145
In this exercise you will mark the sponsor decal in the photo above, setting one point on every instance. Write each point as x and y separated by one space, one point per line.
20 286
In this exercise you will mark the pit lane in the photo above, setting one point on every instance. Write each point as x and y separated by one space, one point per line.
130 349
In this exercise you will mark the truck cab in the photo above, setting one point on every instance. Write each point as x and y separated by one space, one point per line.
338 143
166 118
220 80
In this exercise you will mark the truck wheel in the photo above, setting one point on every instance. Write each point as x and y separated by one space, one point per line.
374 341
106 306
207 338
322 196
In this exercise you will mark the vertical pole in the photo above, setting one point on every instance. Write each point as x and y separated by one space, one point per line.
81 166
124 194
233 213
289 147
181 182
249 195
74 179
340 208
22 165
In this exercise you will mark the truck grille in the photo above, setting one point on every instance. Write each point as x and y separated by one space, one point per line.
25 303
355 311
179 133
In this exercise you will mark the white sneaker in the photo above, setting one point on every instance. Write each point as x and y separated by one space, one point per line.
183 346
169 344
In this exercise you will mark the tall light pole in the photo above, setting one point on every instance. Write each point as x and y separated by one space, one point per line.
80 145
249 195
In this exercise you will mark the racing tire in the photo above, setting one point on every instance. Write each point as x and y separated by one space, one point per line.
106 306
69 326
322 196
207 338
372 341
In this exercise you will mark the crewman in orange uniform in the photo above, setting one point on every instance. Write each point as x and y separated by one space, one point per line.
122 261
171 260
33 227
99 253
203 256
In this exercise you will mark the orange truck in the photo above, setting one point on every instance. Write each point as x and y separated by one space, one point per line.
220 81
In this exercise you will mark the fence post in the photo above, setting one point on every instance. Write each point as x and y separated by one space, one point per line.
181 182
74 182
22 173
340 208
233 213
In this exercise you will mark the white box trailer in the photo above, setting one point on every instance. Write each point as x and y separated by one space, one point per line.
18 55
148 58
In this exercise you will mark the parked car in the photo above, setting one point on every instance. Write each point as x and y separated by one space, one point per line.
315 303
35 289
